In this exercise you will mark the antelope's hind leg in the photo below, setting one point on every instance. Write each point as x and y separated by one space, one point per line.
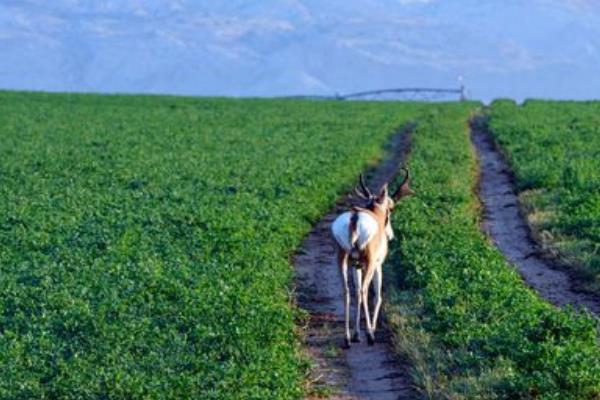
377 282
365 302
357 272
342 259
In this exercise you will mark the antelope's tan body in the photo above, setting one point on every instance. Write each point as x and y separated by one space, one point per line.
362 235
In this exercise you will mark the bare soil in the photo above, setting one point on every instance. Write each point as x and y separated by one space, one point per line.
361 372
503 222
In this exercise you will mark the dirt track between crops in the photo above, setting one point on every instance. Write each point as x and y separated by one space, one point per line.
361 372
504 224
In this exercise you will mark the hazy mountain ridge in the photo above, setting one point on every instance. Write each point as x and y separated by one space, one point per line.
542 48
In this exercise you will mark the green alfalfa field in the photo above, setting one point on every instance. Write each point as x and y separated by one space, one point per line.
145 248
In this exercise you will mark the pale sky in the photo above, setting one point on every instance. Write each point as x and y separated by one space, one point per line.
517 49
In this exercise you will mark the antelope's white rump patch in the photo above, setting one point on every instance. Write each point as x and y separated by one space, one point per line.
366 228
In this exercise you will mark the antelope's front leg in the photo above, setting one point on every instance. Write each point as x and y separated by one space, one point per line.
343 265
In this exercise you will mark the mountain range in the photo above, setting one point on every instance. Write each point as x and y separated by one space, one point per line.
510 48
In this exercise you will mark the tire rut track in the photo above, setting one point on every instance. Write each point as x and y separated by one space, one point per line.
361 372
503 223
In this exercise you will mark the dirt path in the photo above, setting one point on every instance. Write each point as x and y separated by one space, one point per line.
503 223
362 372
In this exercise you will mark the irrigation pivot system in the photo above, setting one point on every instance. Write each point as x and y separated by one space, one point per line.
413 93
423 93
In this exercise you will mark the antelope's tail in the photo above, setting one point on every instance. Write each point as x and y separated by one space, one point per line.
352 228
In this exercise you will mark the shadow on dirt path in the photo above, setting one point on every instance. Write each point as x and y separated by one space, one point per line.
503 223
362 372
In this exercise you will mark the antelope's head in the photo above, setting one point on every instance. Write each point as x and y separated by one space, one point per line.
383 200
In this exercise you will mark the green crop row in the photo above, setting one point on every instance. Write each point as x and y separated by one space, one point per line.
554 150
145 241
461 314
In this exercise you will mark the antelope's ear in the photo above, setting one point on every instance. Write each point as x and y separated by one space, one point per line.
405 190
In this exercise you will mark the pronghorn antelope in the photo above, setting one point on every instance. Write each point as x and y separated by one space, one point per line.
362 235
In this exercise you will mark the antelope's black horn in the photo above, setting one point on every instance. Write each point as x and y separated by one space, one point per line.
357 192
364 187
